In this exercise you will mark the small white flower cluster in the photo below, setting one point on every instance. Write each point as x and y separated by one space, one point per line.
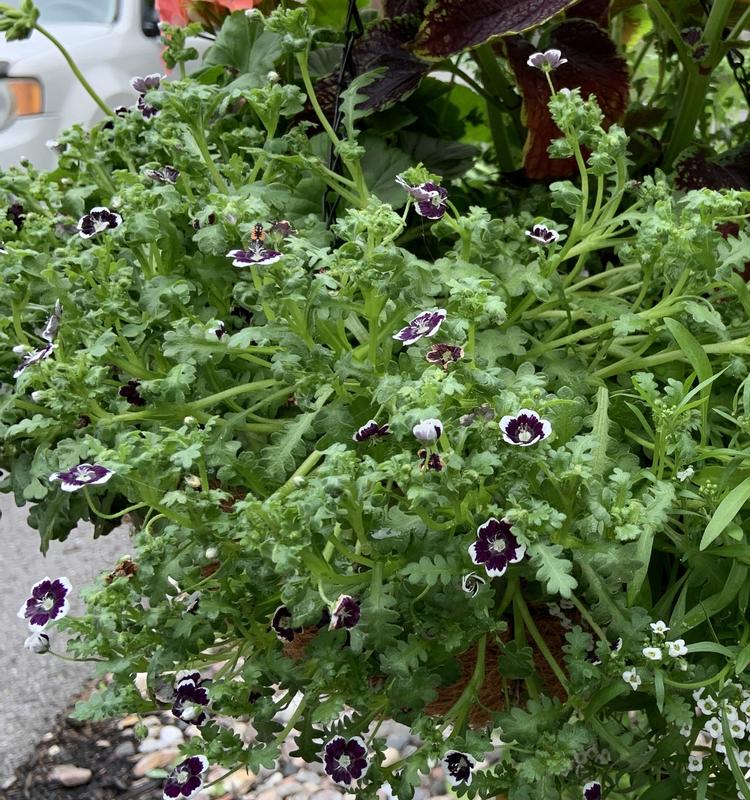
734 708
656 650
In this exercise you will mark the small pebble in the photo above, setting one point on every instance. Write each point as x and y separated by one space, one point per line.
53 750
69 775
159 760
124 749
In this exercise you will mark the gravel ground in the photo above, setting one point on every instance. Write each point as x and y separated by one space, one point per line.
36 688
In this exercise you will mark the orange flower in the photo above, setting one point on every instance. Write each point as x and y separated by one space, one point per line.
180 12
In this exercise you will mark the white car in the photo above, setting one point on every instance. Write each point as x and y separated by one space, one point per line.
111 41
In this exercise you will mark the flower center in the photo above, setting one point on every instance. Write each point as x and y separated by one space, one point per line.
85 474
181 776
423 327
525 434
499 546
47 603
435 198
345 761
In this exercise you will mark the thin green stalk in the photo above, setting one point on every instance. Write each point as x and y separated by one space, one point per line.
102 515
540 643
199 137
77 72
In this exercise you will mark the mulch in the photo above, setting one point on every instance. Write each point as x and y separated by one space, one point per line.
87 745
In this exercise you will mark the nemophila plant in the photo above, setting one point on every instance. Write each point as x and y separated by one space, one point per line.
399 437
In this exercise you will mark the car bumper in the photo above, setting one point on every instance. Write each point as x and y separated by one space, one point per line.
26 137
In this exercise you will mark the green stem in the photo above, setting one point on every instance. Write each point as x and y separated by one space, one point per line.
77 72
540 643
109 516
199 137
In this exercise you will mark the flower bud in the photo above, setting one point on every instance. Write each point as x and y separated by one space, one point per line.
428 430
190 421
211 553
273 77
193 481
37 396
38 642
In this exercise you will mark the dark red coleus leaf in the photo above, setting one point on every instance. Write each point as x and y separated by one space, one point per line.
595 10
451 26
730 170
384 45
403 8
593 64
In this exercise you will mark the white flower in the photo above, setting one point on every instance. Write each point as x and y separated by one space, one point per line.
659 628
652 653
731 713
546 61
707 705
713 727
631 677
428 430
698 693
737 729
686 730
695 763
743 758
38 642
745 706
211 553
686 473
677 648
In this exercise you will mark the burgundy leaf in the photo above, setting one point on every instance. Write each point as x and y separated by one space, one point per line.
730 170
451 26
383 45
593 64
595 10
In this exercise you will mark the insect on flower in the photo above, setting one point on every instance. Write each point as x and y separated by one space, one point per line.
459 767
345 760
48 602
256 253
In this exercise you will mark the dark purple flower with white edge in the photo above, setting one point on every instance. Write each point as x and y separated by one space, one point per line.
255 256
592 791
145 84
281 624
471 583
130 392
430 461
37 642
345 613
53 323
97 220
34 357
165 174
546 61
220 330
444 354
190 699
425 324
120 111
371 430
48 602
16 214
186 779
345 760
83 475
429 198
3 251
543 234
428 430
148 111
496 547
459 767
524 428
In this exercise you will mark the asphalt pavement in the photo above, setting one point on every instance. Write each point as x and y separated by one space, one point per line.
35 688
